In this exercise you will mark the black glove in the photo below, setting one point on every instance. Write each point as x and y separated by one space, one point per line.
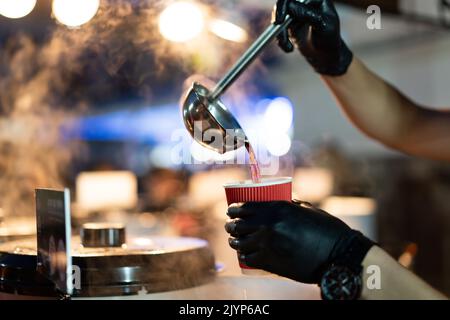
316 31
294 240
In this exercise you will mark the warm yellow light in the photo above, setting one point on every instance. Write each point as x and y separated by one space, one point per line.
313 184
16 8
228 31
106 190
75 13
349 206
181 21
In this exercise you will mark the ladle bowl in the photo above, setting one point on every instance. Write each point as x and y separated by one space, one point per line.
206 118
210 123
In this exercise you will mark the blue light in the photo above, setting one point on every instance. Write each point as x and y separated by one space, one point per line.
152 125
155 125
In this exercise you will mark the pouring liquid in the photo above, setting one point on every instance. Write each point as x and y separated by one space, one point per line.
256 178
254 166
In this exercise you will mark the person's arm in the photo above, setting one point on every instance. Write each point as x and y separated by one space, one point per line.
383 113
301 242
374 106
396 282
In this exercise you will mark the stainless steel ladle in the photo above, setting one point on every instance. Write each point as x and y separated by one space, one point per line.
206 118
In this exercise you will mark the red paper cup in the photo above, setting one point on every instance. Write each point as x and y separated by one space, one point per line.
269 189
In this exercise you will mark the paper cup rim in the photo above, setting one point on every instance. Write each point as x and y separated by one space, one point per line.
264 183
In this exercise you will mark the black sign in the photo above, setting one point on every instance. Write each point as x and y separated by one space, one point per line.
54 260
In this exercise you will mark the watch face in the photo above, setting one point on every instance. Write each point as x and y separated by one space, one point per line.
340 283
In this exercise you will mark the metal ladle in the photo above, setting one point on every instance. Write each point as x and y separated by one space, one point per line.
206 118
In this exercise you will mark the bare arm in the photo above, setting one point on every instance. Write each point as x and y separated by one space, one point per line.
396 281
383 113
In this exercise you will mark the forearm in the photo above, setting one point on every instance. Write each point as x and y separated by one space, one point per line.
396 282
375 107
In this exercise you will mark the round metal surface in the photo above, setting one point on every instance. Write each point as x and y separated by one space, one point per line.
156 264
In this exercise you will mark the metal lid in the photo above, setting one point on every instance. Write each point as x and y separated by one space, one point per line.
102 235
156 264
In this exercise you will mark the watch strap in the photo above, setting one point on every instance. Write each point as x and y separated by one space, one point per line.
354 250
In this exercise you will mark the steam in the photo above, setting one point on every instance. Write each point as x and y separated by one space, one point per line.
118 55
29 156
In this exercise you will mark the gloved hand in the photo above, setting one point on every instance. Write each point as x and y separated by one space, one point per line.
316 31
294 240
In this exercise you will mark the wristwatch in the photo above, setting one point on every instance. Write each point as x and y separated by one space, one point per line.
342 280
340 283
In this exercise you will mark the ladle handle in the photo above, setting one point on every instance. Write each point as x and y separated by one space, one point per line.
247 58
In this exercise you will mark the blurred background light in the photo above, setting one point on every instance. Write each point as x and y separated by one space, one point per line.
75 13
228 31
181 21
278 116
278 144
151 125
100 190
15 9
313 184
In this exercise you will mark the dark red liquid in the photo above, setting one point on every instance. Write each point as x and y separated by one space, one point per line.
254 166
